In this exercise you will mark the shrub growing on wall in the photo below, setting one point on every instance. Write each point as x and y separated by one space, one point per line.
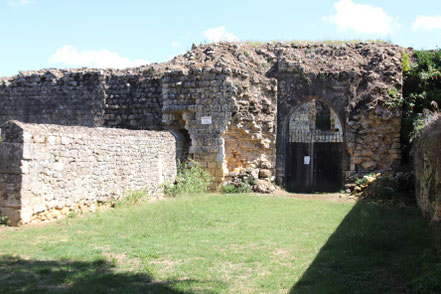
191 179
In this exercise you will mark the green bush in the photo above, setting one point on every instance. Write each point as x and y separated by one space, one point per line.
422 90
191 179
231 189
4 220
405 61
131 197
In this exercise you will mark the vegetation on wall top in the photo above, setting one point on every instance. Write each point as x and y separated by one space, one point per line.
422 93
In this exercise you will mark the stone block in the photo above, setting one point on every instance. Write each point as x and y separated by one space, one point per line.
265 173
369 165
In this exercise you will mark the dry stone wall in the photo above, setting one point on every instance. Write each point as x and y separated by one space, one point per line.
48 170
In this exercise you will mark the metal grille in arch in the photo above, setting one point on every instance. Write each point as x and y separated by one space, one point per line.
314 121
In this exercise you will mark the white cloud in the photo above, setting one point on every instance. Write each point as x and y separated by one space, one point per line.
427 23
19 3
102 58
361 18
176 44
214 35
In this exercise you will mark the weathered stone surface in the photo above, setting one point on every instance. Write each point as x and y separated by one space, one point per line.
229 103
78 166
87 97
427 158
264 187
265 173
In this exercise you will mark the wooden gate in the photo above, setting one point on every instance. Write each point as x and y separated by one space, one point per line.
314 149
314 167
328 170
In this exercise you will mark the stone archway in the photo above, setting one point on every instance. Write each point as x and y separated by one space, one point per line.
314 145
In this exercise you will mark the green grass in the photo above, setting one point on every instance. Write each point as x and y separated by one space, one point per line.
219 244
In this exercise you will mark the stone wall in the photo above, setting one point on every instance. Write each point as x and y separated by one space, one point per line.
227 83
427 156
133 100
360 82
373 141
248 92
53 96
48 170
128 99
188 96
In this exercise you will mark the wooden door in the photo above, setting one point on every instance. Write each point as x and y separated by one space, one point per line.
327 167
314 167
298 174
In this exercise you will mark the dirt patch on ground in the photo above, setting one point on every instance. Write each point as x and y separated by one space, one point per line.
330 197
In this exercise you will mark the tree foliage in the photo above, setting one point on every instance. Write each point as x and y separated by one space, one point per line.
422 93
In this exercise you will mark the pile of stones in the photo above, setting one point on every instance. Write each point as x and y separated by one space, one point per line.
387 188
254 178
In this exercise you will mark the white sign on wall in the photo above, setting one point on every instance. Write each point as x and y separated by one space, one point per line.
306 160
206 120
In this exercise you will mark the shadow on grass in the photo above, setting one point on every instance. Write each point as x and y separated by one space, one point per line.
32 276
376 249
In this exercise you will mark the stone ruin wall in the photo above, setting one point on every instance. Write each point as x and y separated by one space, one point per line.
128 99
226 82
242 133
187 97
373 141
259 85
251 134
360 82
247 89
53 96
133 100
46 171
427 161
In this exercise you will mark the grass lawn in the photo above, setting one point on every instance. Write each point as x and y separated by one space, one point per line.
220 244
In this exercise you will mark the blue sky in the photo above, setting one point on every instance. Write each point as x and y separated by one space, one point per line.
63 33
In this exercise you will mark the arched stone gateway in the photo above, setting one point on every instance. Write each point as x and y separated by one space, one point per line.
314 147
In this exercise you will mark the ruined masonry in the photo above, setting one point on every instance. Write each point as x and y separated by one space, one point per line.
427 162
306 116
50 170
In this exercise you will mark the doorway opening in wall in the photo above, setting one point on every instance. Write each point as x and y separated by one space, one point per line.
183 140
314 149
186 143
